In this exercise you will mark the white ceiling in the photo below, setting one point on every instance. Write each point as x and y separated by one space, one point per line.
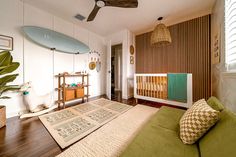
142 19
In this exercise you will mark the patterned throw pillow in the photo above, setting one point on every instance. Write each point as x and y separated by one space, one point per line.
196 121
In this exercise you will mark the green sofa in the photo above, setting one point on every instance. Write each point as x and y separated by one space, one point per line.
160 136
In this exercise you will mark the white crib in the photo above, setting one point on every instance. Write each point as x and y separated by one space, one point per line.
154 87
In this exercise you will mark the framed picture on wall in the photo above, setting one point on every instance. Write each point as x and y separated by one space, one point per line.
6 43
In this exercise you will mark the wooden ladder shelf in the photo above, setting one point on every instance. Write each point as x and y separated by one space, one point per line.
67 94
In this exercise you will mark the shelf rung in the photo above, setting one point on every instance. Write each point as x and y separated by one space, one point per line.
61 101
75 75
73 87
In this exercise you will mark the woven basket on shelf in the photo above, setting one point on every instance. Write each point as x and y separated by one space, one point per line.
69 94
79 92
2 116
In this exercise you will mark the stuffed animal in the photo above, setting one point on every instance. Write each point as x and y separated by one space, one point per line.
34 102
73 85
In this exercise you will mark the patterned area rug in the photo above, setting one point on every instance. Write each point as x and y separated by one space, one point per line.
72 124
112 139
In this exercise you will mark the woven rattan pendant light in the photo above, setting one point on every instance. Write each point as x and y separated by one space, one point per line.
161 34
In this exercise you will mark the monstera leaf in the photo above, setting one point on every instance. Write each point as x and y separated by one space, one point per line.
5 58
6 79
7 66
6 89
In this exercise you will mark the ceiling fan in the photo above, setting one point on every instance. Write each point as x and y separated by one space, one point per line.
111 3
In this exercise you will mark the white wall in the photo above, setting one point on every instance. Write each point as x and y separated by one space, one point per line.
39 64
223 82
126 38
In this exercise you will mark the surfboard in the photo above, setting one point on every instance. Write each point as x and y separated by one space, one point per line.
54 40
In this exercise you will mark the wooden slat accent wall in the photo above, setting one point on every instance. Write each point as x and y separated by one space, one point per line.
189 52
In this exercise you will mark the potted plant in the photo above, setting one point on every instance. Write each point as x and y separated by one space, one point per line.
6 66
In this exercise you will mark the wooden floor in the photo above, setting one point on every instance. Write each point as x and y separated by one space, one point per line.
29 138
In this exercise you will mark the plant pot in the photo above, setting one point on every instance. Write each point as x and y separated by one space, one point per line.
2 116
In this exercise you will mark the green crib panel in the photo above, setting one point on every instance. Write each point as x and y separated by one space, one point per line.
177 87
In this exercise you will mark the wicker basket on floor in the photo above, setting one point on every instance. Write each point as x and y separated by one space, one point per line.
2 116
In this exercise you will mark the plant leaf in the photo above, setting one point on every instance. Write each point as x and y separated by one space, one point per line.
6 79
7 66
11 60
5 58
10 68
2 67
4 89
5 97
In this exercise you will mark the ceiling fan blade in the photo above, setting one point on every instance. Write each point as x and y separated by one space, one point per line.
93 13
122 3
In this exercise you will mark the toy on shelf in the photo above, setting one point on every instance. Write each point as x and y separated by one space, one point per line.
73 85
80 84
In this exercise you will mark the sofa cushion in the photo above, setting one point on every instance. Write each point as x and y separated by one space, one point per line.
196 121
215 104
220 141
155 141
168 117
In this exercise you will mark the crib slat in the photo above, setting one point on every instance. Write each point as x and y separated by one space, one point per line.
149 86
144 84
147 83
138 85
166 87
156 91
161 88
159 85
152 86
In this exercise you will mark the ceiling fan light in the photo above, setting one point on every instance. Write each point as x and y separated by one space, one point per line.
100 4
161 35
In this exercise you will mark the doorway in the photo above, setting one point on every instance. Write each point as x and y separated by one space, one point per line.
116 72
